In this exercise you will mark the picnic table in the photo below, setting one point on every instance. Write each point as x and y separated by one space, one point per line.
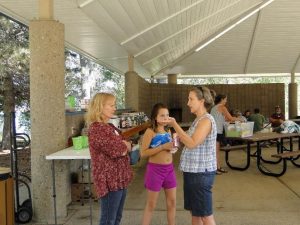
283 154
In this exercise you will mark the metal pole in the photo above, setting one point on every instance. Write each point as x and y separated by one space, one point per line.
54 191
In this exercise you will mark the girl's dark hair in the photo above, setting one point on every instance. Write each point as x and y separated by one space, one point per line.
154 114
219 98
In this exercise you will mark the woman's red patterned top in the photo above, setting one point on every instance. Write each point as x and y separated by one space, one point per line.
111 170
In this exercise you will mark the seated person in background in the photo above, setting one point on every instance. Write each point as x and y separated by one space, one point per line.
258 120
277 118
237 113
247 113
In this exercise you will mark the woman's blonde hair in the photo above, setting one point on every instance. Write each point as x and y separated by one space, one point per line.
96 106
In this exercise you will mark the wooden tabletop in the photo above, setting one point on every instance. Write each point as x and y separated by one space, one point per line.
4 170
268 136
134 130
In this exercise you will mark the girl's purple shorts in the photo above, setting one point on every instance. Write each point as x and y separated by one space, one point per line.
159 176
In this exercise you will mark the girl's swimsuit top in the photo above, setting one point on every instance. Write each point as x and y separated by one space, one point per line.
160 139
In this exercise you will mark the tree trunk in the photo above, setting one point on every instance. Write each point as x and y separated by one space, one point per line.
8 107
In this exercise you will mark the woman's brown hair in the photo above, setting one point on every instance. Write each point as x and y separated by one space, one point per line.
204 93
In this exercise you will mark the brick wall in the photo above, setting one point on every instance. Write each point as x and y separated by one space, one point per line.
240 96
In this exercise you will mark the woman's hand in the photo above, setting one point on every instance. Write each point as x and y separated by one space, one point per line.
167 146
171 121
128 145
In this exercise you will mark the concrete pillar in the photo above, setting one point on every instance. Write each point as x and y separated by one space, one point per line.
130 63
293 107
45 9
132 90
172 78
47 70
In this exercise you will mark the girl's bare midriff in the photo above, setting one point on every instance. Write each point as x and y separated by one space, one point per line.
164 157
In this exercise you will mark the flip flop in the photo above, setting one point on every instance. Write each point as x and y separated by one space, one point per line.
218 172
222 170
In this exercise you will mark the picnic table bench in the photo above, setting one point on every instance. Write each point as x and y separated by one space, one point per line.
293 156
283 153
228 148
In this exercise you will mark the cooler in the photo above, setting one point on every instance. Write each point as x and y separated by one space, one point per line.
238 129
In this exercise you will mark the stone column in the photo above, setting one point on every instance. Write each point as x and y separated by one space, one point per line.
132 90
172 78
47 70
293 100
130 63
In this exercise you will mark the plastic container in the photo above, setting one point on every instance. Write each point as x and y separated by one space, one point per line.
71 101
77 143
85 141
239 129
176 143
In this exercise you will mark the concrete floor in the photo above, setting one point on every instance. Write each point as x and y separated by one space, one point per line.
240 198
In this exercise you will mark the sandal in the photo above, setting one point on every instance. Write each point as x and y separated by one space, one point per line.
222 170
218 172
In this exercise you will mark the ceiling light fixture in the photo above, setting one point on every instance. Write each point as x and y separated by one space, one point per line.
233 25
85 3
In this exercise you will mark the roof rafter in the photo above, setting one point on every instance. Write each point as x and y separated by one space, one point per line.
242 19
160 22
251 47
218 34
296 63
186 28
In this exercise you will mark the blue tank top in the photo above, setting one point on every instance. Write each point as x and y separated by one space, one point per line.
160 139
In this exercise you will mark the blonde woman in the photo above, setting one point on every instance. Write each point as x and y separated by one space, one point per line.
109 155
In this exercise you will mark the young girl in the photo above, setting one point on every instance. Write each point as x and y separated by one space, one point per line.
157 145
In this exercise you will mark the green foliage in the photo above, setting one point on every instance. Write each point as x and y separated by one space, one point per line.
83 75
14 72
233 80
112 82
74 77
24 120
14 60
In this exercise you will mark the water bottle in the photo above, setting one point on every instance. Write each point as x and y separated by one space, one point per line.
176 143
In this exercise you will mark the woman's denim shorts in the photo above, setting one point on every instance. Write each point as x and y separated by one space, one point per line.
197 193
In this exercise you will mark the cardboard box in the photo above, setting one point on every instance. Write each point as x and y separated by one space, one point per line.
7 209
81 192
239 129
